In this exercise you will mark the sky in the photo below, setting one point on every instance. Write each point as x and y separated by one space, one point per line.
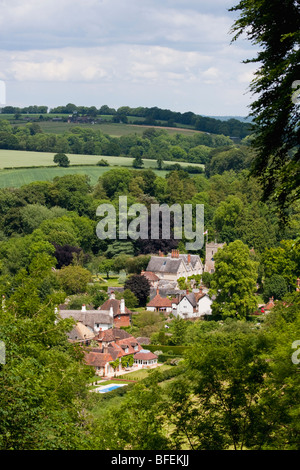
173 54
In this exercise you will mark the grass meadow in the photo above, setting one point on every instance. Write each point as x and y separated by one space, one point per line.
18 168
107 126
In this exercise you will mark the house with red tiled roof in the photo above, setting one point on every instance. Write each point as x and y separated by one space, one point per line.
118 347
153 279
145 358
159 304
117 308
269 305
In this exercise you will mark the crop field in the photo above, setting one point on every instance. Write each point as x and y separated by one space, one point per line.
46 170
20 177
19 158
18 168
107 126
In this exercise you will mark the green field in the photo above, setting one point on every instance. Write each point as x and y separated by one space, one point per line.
20 158
16 175
107 127
18 178
112 129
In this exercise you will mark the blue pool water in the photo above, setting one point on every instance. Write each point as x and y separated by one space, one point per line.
108 388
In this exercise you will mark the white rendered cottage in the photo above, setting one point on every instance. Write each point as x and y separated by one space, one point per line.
192 305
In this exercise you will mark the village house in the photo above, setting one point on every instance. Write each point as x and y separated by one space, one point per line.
159 304
118 347
117 308
192 305
93 320
152 278
81 334
112 313
145 358
174 265
269 305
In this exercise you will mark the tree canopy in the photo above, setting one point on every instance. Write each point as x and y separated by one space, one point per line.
274 27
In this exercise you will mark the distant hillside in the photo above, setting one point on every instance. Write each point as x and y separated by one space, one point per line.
228 126
227 118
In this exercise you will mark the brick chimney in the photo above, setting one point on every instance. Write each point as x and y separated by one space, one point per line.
189 258
112 295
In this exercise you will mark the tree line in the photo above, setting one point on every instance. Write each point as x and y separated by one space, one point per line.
218 152
151 116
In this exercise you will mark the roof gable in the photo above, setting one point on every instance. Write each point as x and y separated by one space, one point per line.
159 301
162 264
115 304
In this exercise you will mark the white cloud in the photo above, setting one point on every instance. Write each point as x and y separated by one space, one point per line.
85 65
167 53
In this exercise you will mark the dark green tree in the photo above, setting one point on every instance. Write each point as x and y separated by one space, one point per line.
274 286
140 286
274 29
61 159
138 162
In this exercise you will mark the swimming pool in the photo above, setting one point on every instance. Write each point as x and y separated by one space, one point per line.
109 388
